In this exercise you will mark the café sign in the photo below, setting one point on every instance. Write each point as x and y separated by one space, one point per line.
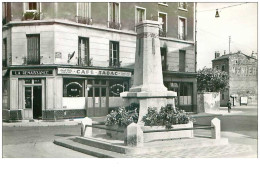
32 72
73 71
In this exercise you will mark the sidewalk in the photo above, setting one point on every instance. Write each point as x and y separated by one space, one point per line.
66 122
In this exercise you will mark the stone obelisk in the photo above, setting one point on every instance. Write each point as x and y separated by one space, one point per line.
148 89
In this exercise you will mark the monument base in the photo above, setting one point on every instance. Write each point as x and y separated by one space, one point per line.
154 136
149 99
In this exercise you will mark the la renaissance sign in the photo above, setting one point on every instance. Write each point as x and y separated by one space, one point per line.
86 72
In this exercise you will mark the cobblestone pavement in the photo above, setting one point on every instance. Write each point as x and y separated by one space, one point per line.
234 150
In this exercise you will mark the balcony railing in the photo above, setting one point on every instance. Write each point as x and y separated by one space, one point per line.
32 15
182 36
162 33
84 20
114 63
114 25
88 62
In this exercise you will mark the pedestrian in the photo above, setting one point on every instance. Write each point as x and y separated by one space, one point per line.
229 106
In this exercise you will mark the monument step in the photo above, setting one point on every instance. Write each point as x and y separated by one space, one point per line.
90 150
117 146
110 145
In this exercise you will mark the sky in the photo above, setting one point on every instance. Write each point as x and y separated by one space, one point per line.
239 22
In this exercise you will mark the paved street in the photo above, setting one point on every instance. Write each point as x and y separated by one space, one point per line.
37 141
242 120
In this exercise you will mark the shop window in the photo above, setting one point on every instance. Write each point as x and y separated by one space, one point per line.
28 97
182 28
103 92
4 52
114 54
28 81
73 88
182 60
163 24
117 86
33 49
185 97
97 93
84 13
90 92
83 58
114 15
37 81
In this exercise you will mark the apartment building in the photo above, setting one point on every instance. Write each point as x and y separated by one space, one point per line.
72 59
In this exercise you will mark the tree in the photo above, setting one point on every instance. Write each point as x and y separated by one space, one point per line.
211 80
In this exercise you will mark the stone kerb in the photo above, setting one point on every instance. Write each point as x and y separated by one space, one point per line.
85 130
215 132
134 135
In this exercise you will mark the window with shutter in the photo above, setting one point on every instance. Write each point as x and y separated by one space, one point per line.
33 49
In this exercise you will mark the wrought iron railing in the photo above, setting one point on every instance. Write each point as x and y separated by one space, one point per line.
114 25
182 36
114 63
162 33
84 20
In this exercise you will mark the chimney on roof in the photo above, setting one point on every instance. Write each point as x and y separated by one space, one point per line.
217 54
239 51
224 52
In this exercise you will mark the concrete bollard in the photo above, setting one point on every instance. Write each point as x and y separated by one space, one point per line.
134 135
86 131
216 131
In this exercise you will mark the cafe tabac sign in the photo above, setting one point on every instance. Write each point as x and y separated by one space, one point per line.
95 72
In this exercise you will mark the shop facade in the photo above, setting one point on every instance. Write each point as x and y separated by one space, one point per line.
63 93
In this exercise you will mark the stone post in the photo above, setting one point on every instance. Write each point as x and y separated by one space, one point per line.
86 131
215 132
134 135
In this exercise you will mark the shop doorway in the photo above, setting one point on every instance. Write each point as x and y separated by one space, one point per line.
97 98
37 102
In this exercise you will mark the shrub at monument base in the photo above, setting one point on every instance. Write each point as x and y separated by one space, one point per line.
166 118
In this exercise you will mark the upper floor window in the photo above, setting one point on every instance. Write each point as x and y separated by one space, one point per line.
163 3
114 54
223 68
33 49
217 67
4 52
83 51
114 15
32 5
182 60
164 58
140 14
6 12
182 28
32 10
163 24
84 13
183 6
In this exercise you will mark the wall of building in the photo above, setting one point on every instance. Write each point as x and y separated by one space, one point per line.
243 78
99 13
208 102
